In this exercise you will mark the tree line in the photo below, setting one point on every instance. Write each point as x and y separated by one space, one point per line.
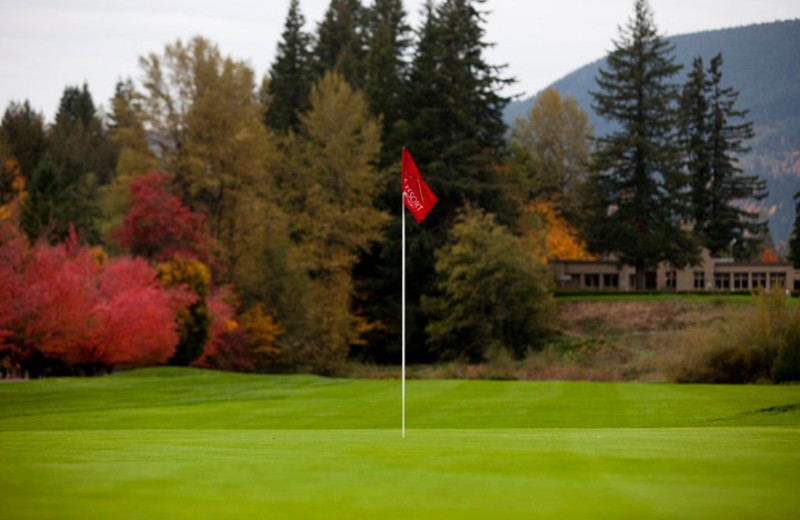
276 202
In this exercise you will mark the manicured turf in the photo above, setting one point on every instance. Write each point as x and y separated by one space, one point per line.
168 443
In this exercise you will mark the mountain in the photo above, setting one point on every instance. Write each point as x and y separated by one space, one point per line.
762 62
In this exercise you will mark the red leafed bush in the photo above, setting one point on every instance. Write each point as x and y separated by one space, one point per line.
159 226
136 316
225 348
66 303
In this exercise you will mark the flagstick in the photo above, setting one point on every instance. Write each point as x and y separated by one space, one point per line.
403 210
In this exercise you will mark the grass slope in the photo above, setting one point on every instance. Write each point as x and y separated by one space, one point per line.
172 443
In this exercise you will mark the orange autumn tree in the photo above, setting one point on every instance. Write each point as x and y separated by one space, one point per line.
560 238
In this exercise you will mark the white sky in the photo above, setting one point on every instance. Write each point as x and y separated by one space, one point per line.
46 45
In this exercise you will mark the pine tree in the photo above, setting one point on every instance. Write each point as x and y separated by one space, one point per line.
638 203
713 141
25 136
453 126
290 74
63 188
57 201
455 111
341 42
386 72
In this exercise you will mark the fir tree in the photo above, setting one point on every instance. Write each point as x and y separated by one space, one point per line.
713 136
456 133
24 133
455 111
341 43
638 202
290 74
389 40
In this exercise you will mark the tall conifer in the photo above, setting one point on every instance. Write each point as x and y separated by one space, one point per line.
290 74
455 130
341 42
639 193
713 134
387 69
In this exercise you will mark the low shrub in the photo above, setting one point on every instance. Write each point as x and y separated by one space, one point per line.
762 346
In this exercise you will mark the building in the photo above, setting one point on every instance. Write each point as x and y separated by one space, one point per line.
711 274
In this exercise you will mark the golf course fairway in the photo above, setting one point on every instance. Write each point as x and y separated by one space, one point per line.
169 443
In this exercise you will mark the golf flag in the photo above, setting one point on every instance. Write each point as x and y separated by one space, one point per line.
417 196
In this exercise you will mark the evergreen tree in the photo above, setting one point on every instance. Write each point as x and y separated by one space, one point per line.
794 241
455 112
63 189
713 140
24 133
58 201
453 126
389 40
638 204
290 74
78 139
341 42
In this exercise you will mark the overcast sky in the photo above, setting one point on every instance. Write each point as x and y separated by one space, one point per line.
46 45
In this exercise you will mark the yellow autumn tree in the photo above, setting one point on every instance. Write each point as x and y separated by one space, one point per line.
261 333
330 185
560 238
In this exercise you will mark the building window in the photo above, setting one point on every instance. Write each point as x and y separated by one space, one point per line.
672 279
699 280
759 280
611 280
777 280
591 281
722 281
650 280
632 282
740 281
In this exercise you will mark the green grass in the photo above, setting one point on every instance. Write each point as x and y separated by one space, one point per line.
171 443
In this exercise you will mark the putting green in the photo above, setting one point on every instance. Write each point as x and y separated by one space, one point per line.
173 443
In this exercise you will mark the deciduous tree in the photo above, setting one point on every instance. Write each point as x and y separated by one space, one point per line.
330 198
550 152
491 293
203 110
158 226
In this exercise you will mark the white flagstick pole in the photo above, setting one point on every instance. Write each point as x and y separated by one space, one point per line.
403 209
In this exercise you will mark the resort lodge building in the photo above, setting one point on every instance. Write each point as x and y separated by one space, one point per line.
712 274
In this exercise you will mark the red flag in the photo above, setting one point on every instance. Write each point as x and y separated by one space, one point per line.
417 196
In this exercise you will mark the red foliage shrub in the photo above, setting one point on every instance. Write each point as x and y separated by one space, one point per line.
225 348
159 226
67 303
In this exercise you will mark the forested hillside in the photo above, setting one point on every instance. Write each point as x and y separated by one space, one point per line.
763 63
